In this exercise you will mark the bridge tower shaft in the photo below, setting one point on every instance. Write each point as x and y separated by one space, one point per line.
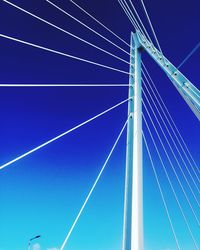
133 205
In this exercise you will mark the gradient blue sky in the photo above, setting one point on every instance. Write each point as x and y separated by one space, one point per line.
42 193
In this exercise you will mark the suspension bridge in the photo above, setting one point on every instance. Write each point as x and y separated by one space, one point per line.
150 127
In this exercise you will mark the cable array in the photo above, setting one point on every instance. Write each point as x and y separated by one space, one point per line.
86 26
100 23
67 32
167 175
151 94
151 25
136 23
170 121
173 141
158 103
168 157
176 133
161 192
63 54
93 187
61 135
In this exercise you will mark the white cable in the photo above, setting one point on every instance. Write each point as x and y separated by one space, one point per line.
189 55
92 189
61 135
86 26
113 33
150 23
66 32
63 54
171 137
171 164
168 178
161 192
174 124
60 85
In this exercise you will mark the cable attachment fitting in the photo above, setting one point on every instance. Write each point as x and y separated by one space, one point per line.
131 115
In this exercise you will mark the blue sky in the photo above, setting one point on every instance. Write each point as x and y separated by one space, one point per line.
42 193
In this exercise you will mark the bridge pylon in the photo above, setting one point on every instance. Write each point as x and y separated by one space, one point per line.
133 205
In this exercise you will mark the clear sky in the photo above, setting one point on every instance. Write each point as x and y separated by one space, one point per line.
42 193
